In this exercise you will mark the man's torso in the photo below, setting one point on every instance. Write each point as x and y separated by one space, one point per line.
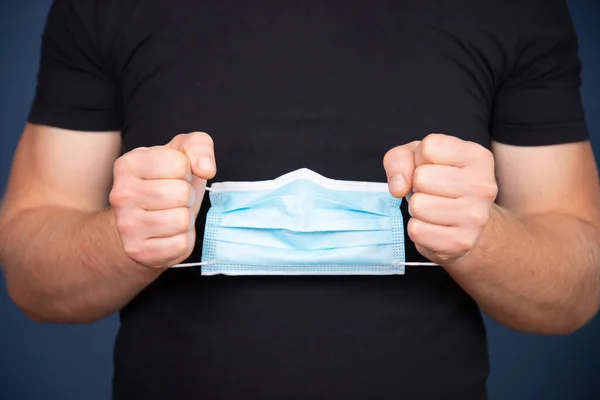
331 86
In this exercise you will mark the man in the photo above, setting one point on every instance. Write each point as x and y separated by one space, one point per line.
473 107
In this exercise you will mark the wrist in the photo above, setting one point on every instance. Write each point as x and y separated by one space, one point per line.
116 244
481 252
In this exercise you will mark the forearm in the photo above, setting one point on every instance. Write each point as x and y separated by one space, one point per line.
537 274
62 265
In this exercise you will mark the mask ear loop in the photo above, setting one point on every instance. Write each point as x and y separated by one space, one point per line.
194 264
407 264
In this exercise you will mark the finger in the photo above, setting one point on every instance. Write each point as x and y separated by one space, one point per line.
437 210
167 223
199 187
447 150
164 194
169 251
399 165
199 148
154 163
440 180
453 182
440 240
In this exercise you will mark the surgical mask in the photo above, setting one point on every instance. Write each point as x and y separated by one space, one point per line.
303 224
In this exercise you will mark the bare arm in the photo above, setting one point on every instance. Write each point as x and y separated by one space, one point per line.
536 267
518 229
59 247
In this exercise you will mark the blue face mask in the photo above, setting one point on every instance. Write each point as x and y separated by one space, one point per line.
303 224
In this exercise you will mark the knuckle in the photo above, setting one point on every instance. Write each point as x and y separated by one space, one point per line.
154 220
123 164
179 163
391 155
478 216
134 249
159 252
160 193
203 137
118 196
168 193
492 191
182 218
182 192
437 135
427 150
181 244
486 155
429 144
462 242
388 156
199 145
127 225
127 163
487 189
397 155
179 137
114 198
199 139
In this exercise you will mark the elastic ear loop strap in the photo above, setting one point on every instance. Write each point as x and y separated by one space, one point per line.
407 264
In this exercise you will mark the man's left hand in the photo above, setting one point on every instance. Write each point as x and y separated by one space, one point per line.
453 188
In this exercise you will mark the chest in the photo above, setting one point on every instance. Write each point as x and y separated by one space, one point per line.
326 85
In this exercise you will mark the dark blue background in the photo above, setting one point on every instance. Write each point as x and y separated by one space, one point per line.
74 362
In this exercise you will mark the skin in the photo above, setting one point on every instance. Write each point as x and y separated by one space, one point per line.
82 232
528 253
78 243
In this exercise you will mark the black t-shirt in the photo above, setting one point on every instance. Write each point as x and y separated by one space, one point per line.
330 85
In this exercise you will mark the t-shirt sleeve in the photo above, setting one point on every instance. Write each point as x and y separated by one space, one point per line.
75 88
539 101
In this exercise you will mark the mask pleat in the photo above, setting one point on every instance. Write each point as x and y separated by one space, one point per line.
303 226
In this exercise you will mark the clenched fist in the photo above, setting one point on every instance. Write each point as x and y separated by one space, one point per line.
156 197
453 188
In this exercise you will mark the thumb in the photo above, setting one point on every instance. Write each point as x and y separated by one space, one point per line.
199 148
399 165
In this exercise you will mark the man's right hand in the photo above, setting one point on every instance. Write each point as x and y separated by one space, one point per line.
156 196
